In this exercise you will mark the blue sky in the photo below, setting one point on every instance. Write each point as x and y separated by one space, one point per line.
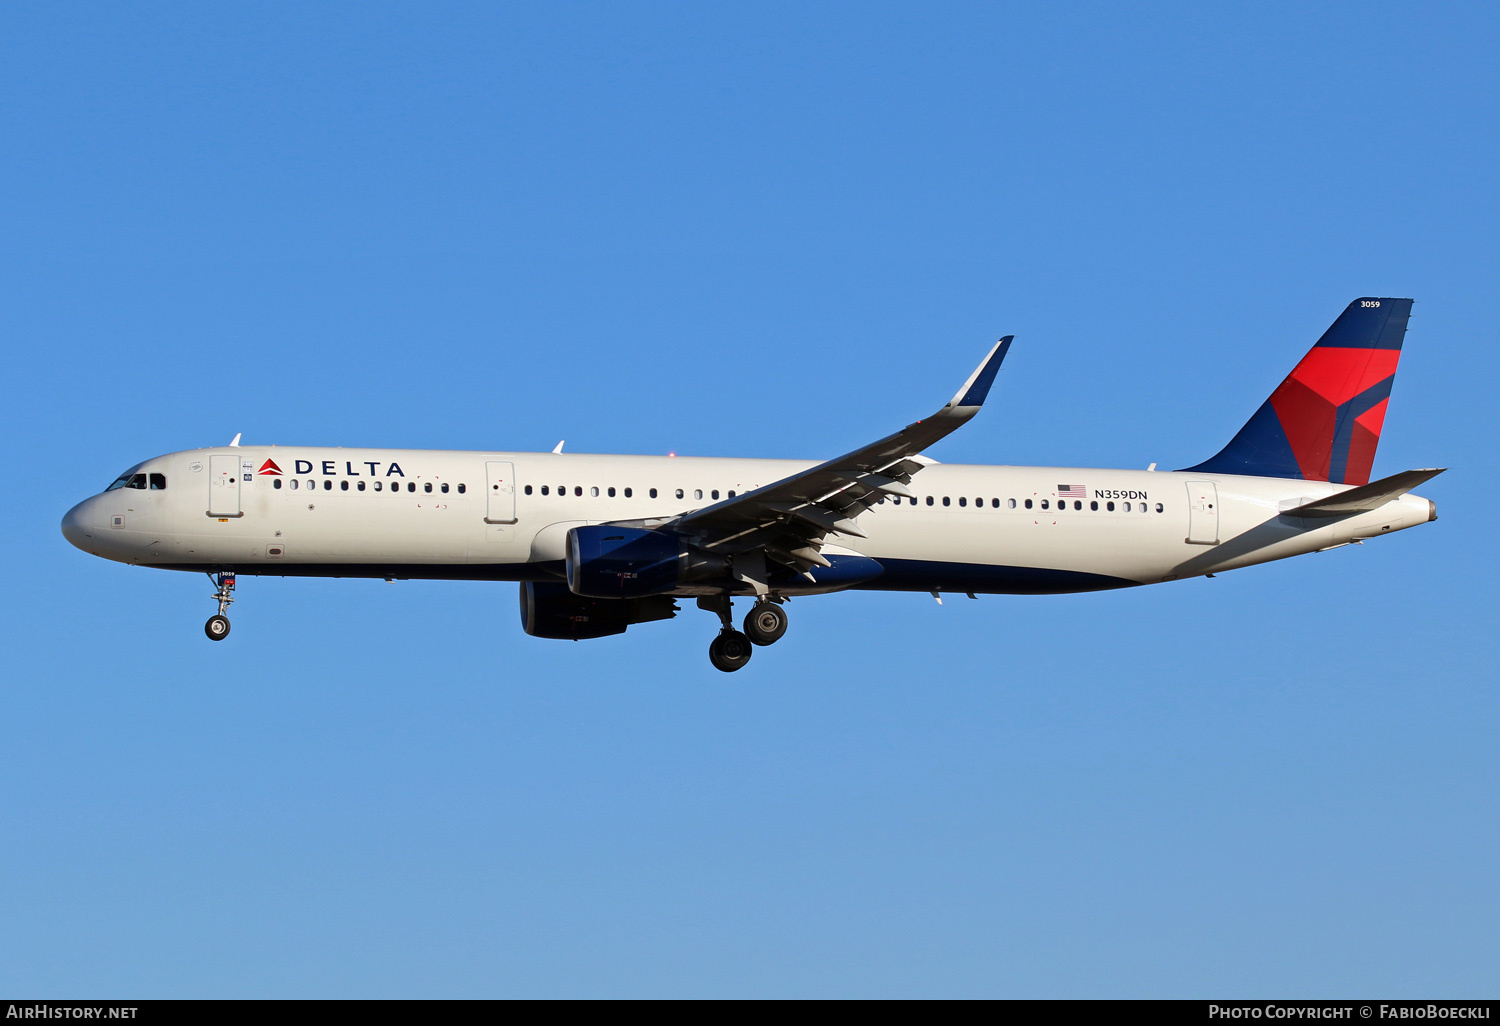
768 229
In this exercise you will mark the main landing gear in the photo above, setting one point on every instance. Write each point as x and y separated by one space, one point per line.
217 627
764 625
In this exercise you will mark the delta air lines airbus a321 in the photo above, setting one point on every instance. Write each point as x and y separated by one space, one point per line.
599 543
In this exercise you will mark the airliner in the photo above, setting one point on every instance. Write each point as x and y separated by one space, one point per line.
601 543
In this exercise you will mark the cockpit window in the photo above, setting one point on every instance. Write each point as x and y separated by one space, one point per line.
133 478
129 479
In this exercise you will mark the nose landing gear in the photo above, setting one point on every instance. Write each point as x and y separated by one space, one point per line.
217 627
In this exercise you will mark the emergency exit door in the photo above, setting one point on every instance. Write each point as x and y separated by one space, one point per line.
224 486
1203 513
500 492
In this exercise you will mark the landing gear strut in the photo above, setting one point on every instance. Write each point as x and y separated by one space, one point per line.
730 650
765 623
217 627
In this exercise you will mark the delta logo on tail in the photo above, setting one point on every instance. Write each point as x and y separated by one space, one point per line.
1323 422
269 467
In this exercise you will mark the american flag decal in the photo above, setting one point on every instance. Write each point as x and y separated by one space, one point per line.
1072 492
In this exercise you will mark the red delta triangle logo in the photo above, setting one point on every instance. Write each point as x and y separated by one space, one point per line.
269 467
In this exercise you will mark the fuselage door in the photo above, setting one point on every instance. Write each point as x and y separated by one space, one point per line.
224 486
500 492
1203 513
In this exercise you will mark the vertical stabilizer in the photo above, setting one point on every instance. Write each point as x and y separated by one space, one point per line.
1323 422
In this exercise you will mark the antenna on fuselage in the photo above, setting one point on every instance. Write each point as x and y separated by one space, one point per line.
559 446
234 443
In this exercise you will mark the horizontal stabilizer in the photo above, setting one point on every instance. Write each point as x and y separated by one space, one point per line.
1366 497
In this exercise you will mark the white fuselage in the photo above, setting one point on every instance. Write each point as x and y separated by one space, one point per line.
505 516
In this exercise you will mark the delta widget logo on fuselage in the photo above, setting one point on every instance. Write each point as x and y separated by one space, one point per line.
330 468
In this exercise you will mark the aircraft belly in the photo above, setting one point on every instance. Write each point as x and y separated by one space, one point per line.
1020 551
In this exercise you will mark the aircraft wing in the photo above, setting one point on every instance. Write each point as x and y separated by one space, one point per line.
789 519
1366 497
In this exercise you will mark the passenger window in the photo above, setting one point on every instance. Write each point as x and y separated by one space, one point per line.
294 484
361 486
462 488
996 503
158 482
714 494
276 483
377 485
528 489
653 493
427 487
1160 508
1009 503
344 485
731 495
1028 503
697 493
411 486
1078 504
1094 505
963 500
929 500
679 493
444 488
327 486
544 489
611 493
578 490
1109 506
628 493
1127 507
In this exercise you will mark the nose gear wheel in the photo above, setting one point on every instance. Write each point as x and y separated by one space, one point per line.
217 627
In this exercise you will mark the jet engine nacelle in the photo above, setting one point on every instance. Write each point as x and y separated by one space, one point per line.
550 610
623 562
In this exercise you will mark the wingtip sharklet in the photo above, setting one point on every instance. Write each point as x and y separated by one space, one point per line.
975 390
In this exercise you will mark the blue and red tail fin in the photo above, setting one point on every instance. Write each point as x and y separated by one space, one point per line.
1323 422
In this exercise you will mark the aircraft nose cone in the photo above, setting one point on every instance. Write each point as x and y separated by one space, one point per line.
75 525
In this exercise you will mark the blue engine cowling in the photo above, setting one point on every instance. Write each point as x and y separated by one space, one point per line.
552 611
622 562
